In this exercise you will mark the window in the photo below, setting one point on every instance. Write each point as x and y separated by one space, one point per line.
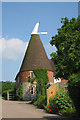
31 74
57 80
32 90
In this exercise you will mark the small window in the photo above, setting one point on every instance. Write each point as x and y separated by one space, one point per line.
57 80
31 75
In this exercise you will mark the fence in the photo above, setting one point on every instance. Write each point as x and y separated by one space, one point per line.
10 95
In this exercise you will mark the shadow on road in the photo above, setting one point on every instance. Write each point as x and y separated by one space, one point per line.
45 118
59 118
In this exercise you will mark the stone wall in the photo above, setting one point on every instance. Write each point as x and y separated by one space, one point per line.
51 91
17 85
26 91
54 88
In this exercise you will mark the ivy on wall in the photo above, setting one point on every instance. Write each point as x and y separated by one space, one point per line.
42 81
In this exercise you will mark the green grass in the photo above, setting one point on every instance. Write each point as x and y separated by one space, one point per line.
0 96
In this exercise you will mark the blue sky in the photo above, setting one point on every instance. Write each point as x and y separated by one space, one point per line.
18 21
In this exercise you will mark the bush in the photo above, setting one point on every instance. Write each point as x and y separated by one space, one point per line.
4 95
60 103
74 90
41 102
8 86
34 100
69 112
52 107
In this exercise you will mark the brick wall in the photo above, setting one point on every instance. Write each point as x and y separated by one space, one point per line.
50 76
24 76
64 80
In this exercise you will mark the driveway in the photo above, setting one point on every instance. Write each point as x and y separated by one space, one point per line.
22 109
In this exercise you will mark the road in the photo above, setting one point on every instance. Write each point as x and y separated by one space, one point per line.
22 109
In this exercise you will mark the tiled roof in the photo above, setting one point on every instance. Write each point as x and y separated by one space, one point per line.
35 56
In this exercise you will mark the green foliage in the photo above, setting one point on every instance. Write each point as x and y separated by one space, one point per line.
31 80
11 92
0 88
70 112
20 92
61 102
34 100
7 86
42 81
41 102
52 107
4 95
67 42
67 56
74 90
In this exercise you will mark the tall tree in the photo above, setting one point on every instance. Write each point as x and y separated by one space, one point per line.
67 42
67 56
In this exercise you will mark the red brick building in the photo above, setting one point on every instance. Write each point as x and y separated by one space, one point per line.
35 58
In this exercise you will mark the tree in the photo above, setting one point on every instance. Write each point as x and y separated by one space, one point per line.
67 56
67 42
8 86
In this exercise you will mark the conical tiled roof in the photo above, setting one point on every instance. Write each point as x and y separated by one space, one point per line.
35 56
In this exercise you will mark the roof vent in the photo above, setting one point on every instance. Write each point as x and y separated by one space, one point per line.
35 30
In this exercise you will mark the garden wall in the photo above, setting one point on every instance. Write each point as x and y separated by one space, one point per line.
51 91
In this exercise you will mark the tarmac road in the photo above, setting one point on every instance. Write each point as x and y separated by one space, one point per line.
22 109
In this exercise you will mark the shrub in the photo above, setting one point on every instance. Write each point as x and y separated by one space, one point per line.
61 102
41 102
74 90
8 86
34 100
52 107
69 112
4 95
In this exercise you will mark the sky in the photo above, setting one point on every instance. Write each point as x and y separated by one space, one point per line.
18 21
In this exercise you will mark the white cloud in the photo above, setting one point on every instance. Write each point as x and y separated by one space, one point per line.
13 48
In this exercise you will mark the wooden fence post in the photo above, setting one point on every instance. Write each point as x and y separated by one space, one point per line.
7 95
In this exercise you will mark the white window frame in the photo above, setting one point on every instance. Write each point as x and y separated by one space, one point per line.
57 80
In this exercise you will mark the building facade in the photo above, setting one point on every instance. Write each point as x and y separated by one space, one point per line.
35 58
